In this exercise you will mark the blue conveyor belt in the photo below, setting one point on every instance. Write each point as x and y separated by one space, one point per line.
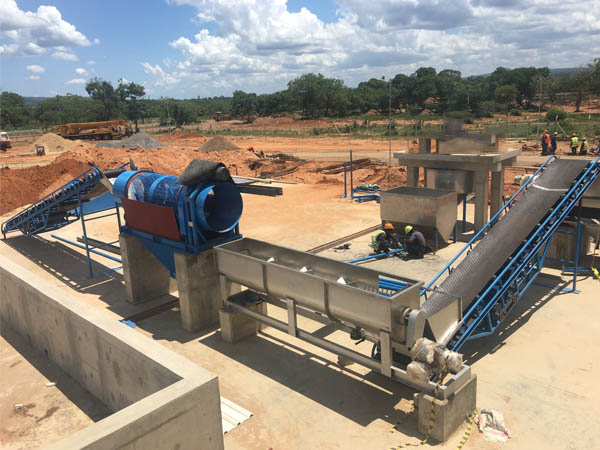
58 208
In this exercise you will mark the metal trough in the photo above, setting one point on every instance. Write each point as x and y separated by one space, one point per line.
433 208
315 283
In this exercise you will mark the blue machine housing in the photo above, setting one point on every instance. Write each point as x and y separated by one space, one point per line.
205 215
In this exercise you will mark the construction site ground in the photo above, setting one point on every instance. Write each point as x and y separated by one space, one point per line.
539 369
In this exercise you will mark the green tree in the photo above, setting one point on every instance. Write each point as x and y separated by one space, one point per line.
243 105
69 108
372 94
13 111
423 86
447 83
306 92
104 92
594 77
505 95
129 93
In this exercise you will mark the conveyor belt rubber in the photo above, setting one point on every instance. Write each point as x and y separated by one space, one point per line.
479 266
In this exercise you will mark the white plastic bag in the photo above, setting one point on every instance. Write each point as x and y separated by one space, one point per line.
454 362
423 351
491 424
418 371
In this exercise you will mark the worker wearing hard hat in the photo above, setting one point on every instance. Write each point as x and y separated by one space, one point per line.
574 144
584 147
384 240
545 142
553 143
415 244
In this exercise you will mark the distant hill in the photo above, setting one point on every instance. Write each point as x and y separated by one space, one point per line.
34 100
560 72
553 72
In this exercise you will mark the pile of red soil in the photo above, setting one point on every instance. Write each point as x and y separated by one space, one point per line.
20 187
218 143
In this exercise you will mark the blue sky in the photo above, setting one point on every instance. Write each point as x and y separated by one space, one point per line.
190 48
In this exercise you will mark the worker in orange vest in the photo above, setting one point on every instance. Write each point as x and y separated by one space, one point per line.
545 142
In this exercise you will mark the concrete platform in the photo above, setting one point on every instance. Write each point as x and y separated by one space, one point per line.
538 370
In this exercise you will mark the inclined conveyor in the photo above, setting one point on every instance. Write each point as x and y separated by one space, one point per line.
496 271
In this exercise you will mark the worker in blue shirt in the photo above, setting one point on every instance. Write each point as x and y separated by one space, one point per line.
415 243
553 143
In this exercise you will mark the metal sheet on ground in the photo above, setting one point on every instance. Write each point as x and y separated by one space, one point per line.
232 415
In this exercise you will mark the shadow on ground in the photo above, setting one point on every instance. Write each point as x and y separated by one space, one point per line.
80 397
544 290
360 398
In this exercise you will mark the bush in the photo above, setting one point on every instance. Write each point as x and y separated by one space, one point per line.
316 131
468 121
515 112
486 109
556 114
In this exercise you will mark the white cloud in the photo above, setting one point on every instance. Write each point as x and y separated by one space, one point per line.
33 77
96 41
31 33
160 76
36 69
81 71
259 45
76 81
65 56
91 63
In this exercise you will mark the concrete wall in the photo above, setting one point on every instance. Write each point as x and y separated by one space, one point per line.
156 392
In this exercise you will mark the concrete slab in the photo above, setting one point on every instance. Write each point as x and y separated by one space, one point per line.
535 370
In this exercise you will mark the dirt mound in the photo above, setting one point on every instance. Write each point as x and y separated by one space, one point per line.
24 186
138 140
218 143
53 143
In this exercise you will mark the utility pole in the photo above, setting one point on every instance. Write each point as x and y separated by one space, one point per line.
390 127
539 108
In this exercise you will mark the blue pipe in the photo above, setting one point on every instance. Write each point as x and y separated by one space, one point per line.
378 255
351 177
106 255
491 221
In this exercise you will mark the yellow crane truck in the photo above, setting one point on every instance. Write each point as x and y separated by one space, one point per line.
110 129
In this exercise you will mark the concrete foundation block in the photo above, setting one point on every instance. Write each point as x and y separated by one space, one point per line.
449 413
236 327
199 290
145 276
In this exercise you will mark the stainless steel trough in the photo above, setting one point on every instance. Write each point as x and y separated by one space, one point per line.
316 283
433 208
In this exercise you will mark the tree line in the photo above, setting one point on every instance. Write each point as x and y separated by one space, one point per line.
314 95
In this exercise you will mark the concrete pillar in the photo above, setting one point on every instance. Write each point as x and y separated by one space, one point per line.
145 276
412 176
199 290
482 189
236 327
424 145
449 414
497 192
